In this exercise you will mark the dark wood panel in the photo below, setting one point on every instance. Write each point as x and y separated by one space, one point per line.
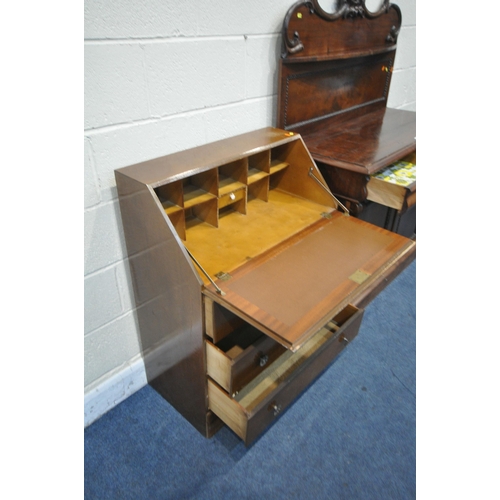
172 349
367 143
311 33
322 90
345 183
288 392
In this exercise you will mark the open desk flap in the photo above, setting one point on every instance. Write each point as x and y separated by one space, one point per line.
293 289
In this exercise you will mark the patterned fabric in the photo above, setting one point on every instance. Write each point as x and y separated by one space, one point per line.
401 173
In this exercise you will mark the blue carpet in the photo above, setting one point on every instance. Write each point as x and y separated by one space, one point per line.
350 435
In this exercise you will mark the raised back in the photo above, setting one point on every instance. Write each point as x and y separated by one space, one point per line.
334 80
309 33
333 63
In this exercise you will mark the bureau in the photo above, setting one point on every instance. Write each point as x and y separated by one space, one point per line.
240 305
335 73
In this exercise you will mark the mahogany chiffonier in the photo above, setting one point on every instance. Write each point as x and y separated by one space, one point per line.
334 78
239 303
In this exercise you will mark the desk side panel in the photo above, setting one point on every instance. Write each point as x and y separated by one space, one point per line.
167 293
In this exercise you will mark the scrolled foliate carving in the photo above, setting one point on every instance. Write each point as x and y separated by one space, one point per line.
349 9
354 8
294 45
345 9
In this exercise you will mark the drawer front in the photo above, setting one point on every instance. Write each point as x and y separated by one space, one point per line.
392 195
235 368
389 195
233 197
268 395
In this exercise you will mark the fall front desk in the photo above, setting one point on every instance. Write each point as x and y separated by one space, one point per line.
248 277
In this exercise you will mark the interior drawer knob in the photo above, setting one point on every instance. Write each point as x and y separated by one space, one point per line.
263 360
276 408
345 340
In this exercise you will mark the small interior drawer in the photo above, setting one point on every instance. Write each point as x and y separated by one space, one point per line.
240 356
232 197
275 388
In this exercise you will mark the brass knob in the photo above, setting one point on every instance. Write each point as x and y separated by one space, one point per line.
276 408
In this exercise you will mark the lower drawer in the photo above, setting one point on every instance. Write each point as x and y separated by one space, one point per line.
270 393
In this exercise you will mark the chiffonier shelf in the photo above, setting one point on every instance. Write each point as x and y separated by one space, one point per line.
334 80
239 303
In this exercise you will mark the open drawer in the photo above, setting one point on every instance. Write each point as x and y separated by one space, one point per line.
239 357
272 391
395 186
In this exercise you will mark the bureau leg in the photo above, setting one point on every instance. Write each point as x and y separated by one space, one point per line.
214 424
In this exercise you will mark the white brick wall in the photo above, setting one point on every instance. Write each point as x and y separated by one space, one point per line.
163 76
403 85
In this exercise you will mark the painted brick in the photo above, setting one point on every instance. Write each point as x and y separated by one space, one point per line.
91 187
125 146
170 18
104 243
124 283
403 88
102 299
408 11
123 19
227 17
115 88
189 75
261 65
411 106
144 19
110 347
227 121
135 143
406 54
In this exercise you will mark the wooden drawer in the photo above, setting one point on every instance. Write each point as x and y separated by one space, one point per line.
241 356
270 393
232 197
389 195
392 195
